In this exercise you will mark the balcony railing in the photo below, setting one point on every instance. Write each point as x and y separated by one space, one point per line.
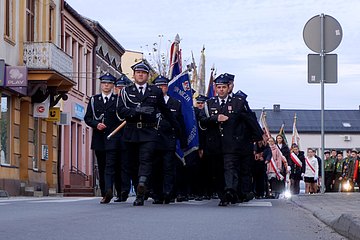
46 55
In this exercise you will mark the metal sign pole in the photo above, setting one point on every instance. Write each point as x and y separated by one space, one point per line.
322 62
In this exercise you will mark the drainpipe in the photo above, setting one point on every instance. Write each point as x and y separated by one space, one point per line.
93 79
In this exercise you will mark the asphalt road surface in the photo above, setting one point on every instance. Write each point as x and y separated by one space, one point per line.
85 218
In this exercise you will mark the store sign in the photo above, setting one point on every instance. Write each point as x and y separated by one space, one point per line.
78 111
44 152
54 114
16 76
2 72
20 90
41 110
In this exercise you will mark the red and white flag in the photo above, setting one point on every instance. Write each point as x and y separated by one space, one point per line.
295 135
264 125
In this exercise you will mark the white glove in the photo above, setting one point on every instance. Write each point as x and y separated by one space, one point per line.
302 175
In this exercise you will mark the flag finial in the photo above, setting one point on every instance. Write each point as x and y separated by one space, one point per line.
177 38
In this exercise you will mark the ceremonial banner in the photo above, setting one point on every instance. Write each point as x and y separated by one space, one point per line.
180 89
211 87
295 139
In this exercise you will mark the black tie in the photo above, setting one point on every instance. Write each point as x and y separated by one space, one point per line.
222 103
141 91
106 100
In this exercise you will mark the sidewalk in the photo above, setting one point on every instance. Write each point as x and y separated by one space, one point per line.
341 211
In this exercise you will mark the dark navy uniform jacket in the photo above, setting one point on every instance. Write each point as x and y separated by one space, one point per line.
167 134
231 136
107 115
142 127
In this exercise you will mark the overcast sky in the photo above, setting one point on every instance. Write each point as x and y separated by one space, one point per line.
261 42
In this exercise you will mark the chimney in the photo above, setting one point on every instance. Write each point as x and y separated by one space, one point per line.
276 108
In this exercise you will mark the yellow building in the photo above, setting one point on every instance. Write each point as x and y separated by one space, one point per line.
34 76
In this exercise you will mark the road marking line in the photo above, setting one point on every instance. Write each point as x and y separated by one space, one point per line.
193 202
255 204
61 200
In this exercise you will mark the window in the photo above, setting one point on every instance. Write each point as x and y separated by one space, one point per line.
30 20
4 130
9 19
51 22
36 143
80 67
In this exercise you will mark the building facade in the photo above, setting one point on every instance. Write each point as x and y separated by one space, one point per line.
34 76
76 166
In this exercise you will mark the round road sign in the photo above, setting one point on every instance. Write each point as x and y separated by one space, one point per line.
332 34
41 109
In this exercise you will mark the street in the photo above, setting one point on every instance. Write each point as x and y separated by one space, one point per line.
84 218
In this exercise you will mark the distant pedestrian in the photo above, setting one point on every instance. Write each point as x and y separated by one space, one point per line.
329 171
297 165
311 172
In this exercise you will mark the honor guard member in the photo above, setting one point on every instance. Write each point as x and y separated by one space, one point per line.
202 170
121 82
329 171
101 116
164 167
139 105
122 173
226 140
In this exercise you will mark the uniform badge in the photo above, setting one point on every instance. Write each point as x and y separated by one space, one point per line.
216 111
112 98
229 108
99 98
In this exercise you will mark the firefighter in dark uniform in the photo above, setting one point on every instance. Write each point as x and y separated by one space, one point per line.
139 105
122 173
253 133
226 140
202 178
101 116
164 169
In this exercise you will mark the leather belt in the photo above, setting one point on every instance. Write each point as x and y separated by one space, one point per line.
141 125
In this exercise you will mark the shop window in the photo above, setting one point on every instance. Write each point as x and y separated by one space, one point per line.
5 130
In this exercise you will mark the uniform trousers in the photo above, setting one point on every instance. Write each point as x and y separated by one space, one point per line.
245 176
112 156
164 170
141 155
231 166
329 177
101 162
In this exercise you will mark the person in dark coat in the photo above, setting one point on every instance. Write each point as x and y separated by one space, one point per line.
102 118
164 167
227 139
139 106
122 168
297 165
259 169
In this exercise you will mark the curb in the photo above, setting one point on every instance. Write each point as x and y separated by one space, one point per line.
348 226
345 224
